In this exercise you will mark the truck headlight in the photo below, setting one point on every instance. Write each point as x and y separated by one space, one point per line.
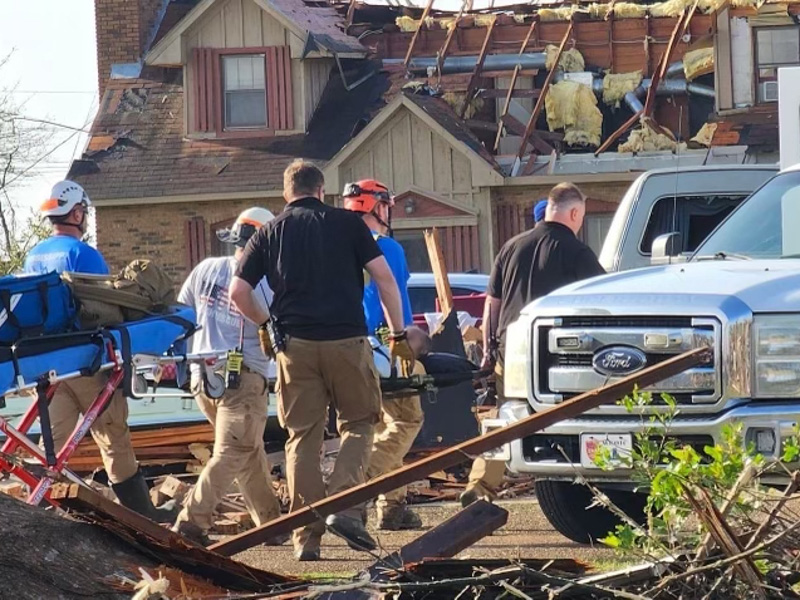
777 360
517 359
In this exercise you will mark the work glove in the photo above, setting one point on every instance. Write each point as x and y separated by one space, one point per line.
266 342
401 350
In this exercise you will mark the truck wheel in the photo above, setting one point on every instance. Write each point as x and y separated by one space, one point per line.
564 504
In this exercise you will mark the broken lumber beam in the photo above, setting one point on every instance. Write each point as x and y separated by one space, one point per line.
531 125
413 42
447 539
511 93
461 452
511 87
439 269
473 80
168 547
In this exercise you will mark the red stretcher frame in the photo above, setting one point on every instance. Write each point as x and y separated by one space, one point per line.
17 438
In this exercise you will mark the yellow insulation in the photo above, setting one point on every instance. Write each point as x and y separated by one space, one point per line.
556 14
572 107
455 99
670 8
705 135
647 140
629 10
406 23
484 20
698 62
615 86
598 11
571 60
518 18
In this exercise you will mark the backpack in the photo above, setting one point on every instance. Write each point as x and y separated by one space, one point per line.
146 280
34 305
139 290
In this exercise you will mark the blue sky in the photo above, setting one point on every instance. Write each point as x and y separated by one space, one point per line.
53 70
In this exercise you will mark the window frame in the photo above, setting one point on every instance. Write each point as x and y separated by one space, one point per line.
207 93
652 209
223 95
757 66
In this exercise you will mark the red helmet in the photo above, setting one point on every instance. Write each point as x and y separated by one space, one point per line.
363 196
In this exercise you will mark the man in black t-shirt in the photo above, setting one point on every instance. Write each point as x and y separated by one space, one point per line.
528 266
314 257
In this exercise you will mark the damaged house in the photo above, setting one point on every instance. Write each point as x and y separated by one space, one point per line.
470 111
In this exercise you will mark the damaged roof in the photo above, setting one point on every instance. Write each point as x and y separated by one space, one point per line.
137 147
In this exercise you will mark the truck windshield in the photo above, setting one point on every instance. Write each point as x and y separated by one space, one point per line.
764 225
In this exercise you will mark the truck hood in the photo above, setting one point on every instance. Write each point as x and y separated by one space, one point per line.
711 285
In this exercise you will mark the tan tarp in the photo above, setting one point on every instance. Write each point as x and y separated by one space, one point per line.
571 60
698 62
615 86
572 107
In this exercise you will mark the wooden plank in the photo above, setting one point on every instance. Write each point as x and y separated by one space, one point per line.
475 247
447 539
458 242
410 50
459 453
167 546
508 93
649 102
614 136
442 54
439 269
540 100
477 70
513 85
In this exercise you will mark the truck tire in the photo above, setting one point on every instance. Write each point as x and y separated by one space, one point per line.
564 504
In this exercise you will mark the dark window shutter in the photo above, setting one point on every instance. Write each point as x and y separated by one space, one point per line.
195 241
280 107
203 89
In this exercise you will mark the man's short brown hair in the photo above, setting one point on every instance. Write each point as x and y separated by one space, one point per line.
302 178
564 194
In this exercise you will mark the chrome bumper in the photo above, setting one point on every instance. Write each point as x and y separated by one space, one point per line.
780 417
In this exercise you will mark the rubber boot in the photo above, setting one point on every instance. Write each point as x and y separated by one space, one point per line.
134 494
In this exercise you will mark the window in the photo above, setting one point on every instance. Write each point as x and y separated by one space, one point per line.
245 91
775 47
693 216
241 92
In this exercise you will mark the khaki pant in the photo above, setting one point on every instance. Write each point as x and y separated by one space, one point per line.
239 419
312 375
401 420
110 430
486 476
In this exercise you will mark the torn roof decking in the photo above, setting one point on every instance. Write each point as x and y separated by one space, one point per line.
618 45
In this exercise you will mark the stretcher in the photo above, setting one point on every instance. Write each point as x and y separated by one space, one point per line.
35 366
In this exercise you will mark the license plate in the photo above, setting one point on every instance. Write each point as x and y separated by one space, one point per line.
503 452
619 447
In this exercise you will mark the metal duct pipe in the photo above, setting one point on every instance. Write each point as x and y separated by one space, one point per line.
466 64
700 90
675 70
633 102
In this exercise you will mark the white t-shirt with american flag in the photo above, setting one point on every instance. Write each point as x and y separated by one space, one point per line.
206 290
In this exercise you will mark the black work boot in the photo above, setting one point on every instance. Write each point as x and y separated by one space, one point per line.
352 531
134 494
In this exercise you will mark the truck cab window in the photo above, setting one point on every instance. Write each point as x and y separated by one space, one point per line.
695 217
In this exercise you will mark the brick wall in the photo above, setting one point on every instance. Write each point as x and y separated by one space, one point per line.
512 207
158 231
123 28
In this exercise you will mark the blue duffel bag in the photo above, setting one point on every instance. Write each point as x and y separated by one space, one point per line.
33 305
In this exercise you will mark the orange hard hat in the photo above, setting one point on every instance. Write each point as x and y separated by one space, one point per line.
363 196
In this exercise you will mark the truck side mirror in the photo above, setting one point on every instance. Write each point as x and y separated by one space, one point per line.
665 247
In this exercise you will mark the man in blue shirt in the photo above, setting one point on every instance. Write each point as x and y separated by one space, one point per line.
63 251
67 209
401 418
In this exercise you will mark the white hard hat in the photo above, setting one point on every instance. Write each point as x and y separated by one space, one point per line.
64 196
247 223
